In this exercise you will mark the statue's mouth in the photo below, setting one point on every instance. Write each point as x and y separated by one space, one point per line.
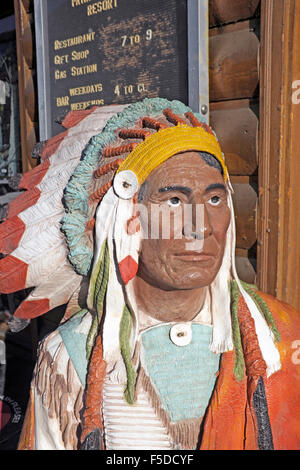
195 256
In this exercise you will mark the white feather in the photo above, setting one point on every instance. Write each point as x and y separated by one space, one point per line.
59 287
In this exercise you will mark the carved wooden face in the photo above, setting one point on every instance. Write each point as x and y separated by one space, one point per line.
190 254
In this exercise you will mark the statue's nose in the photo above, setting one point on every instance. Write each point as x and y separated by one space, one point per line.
197 228
200 234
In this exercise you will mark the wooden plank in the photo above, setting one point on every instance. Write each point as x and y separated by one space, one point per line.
27 43
233 69
29 94
28 5
222 12
27 90
288 257
271 73
236 125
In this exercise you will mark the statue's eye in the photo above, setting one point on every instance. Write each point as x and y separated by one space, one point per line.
214 200
174 201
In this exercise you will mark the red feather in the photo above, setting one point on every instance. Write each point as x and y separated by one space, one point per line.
13 273
11 232
22 202
75 117
34 177
32 308
128 268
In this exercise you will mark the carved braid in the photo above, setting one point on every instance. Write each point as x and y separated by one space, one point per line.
92 416
254 362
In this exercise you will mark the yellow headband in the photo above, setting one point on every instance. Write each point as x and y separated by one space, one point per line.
166 143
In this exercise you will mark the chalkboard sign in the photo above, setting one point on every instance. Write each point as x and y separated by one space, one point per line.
111 51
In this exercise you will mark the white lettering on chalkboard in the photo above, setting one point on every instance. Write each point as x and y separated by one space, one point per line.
99 7
131 40
61 59
77 3
75 71
79 55
62 101
85 90
129 89
59 74
86 104
69 42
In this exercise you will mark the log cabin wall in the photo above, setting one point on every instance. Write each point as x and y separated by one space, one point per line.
234 43
27 80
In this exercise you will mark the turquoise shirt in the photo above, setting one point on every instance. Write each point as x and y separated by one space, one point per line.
182 376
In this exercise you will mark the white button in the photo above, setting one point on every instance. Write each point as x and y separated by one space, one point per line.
181 334
126 184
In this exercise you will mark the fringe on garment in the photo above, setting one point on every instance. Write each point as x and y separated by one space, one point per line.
55 390
184 433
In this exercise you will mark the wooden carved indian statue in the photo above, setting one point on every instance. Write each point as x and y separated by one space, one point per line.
129 221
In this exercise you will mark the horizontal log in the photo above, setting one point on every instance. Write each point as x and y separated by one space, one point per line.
233 65
245 266
245 208
236 125
222 12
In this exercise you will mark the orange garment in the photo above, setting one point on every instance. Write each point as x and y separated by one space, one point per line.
230 422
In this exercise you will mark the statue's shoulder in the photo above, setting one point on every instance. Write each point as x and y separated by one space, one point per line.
282 310
68 342
286 317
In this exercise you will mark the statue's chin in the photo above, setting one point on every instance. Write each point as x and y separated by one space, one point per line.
187 284
191 278
181 282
